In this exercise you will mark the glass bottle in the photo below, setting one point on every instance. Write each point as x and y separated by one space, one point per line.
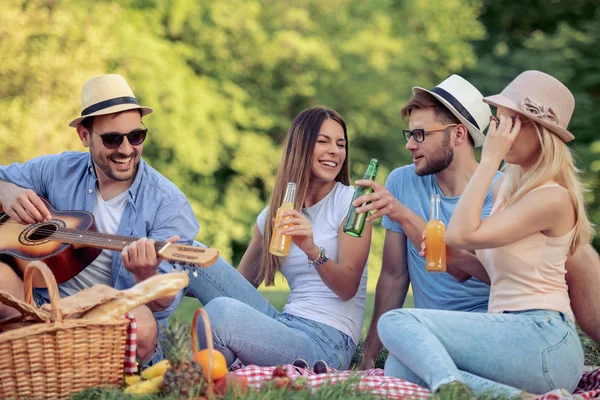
355 223
435 248
280 244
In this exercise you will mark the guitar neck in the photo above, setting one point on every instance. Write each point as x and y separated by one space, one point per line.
97 239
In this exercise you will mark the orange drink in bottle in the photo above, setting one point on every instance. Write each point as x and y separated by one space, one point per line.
280 243
435 248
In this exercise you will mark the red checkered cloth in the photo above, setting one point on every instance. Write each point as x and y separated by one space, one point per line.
373 381
130 366
369 380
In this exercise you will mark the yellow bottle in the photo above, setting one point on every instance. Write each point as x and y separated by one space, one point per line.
280 244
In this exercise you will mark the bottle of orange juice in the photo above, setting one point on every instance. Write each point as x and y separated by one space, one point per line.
280 244
435 248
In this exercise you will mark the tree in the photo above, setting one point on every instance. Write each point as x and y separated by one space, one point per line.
225 80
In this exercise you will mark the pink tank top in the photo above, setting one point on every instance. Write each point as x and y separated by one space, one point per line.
529 273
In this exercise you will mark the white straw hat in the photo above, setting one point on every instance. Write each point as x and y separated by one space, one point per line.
107 94
465 102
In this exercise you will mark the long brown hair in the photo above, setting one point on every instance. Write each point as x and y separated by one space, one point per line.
295 166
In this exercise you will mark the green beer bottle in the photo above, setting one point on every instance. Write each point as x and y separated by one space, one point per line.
355 223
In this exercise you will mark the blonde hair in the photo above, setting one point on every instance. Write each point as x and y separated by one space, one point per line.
555 163
295 166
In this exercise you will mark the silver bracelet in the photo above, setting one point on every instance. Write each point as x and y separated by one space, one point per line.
321 259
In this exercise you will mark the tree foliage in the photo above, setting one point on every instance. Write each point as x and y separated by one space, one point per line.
226 79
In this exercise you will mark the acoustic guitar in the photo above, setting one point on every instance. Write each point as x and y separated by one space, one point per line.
68 243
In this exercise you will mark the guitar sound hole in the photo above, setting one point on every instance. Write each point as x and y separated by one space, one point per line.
41 232
35 235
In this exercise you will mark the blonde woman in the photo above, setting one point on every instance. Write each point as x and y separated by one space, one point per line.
527 342
325 268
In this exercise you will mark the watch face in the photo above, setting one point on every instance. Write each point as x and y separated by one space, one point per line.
322 256
321 259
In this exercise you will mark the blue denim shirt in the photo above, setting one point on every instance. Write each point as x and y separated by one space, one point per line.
155 208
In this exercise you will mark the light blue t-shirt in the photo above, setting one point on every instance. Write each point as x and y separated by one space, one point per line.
434 291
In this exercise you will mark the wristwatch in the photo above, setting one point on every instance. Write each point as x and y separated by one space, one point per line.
321 259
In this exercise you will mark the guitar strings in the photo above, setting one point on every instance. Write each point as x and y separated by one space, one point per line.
89 237
76 234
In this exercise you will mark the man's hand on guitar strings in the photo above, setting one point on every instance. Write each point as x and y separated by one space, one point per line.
24 205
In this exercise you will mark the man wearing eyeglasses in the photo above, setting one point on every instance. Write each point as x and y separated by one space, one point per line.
126 196
446 124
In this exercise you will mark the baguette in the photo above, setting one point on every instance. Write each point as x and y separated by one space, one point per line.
156 287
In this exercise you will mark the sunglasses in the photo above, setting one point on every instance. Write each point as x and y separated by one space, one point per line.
419 134
112 140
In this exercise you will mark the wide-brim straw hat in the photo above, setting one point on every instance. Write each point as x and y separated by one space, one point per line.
465 102
541 98
107 94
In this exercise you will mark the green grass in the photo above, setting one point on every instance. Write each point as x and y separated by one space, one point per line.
591 350
341 390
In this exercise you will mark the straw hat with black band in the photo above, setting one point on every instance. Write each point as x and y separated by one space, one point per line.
465 102
107 94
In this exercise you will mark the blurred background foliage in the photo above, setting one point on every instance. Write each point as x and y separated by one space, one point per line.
226 78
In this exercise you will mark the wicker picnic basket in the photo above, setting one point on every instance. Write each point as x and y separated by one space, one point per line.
56 358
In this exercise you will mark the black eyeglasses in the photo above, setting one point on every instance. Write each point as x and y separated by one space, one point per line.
112 140
419 134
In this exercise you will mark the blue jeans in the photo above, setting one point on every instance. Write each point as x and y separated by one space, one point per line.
535 351
246 326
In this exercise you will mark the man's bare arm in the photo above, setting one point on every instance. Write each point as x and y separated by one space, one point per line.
382 202
462 265
583 278
390 293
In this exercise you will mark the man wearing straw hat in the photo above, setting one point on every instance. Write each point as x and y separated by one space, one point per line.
125 194
446 125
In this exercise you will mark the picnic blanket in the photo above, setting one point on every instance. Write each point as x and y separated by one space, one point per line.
374 381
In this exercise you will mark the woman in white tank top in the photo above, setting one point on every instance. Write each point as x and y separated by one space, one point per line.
325 268
527 342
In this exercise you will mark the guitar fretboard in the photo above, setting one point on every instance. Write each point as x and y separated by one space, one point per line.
96 239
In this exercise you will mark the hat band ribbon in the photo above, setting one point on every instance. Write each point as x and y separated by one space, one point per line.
456 104
117 101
